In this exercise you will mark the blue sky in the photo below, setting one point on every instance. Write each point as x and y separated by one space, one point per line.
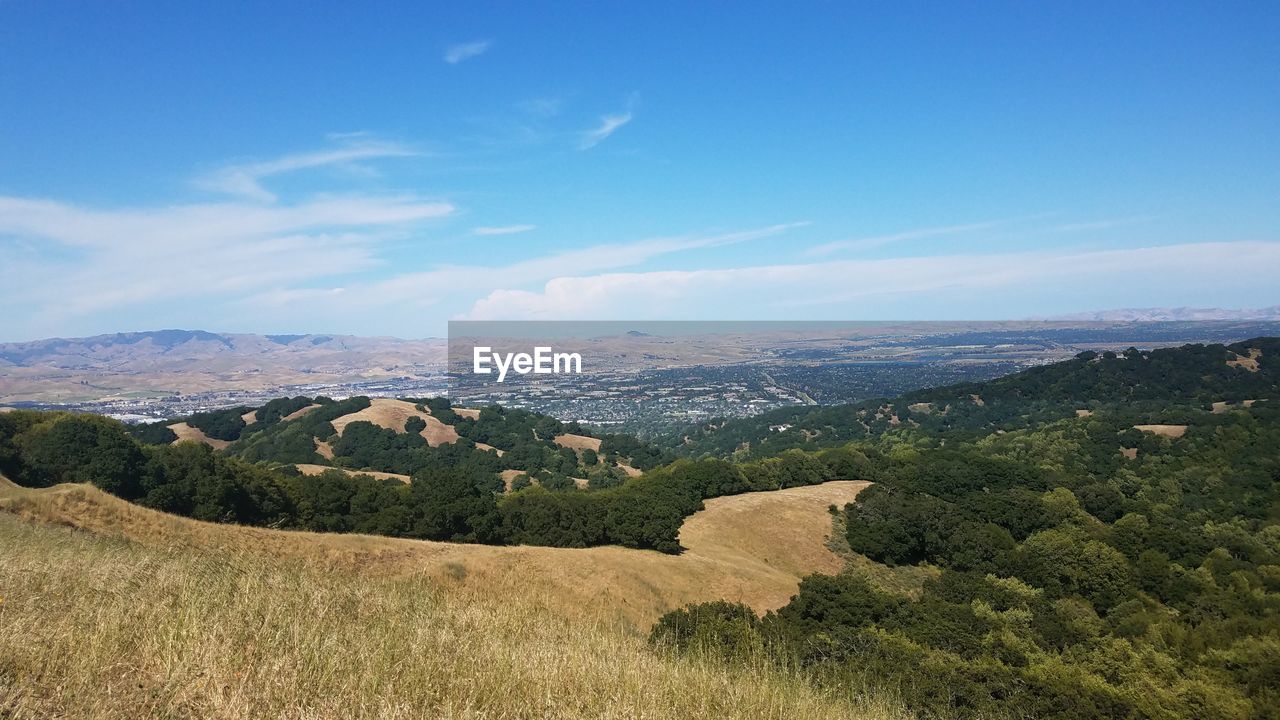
379 168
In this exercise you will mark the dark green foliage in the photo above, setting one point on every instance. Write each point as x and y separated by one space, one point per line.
450 505
191 479
730 630
636 453
156 433
80 449
220 424
415 425
537 516
1075 582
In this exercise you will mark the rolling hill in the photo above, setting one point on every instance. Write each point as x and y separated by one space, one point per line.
160 617
165 362
1148 385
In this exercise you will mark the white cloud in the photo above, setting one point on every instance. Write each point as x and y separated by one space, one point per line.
245 180
455 54
428 290
940 287
869 243
503 230
74 262
609 124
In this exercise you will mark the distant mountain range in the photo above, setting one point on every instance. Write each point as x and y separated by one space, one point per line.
1179 314
188 361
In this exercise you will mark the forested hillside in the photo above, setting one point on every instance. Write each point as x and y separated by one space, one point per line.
1157 384
1118 563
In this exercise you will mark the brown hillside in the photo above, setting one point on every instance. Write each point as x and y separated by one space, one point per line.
186 432
309 469
392 414
752 548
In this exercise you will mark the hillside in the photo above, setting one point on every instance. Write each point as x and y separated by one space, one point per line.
1121 559
220 622
753 548
166 362
1144 384
381 435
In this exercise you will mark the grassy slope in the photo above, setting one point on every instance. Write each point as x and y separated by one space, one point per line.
631 588
175 618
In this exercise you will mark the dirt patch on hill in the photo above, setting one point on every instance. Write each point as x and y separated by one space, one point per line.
1084 413
186 432
324 449
486 446
1249 362
1222 406
392 414
250 417
469 413
508 476
1170 431
578 442
310 469
298 413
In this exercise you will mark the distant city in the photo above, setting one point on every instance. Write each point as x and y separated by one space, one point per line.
632 387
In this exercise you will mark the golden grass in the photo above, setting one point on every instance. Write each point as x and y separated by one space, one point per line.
299 413
392 414
309 469
1249 363
752 548
98 628
1169 431
578 442
194 434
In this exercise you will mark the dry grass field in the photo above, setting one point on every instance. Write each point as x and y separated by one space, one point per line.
1169 431
152 616
309 469
578 442
186 432
392 414
752 548
1249 363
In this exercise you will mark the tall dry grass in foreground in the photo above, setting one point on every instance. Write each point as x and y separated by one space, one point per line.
99 628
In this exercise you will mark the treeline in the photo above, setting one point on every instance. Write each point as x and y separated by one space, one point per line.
1070 581
1190 377
455 493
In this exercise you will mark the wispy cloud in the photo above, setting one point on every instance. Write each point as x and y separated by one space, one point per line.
966 286
876 241
73 264
427 290
1100 224
245 180
503 230
609 124
455 54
